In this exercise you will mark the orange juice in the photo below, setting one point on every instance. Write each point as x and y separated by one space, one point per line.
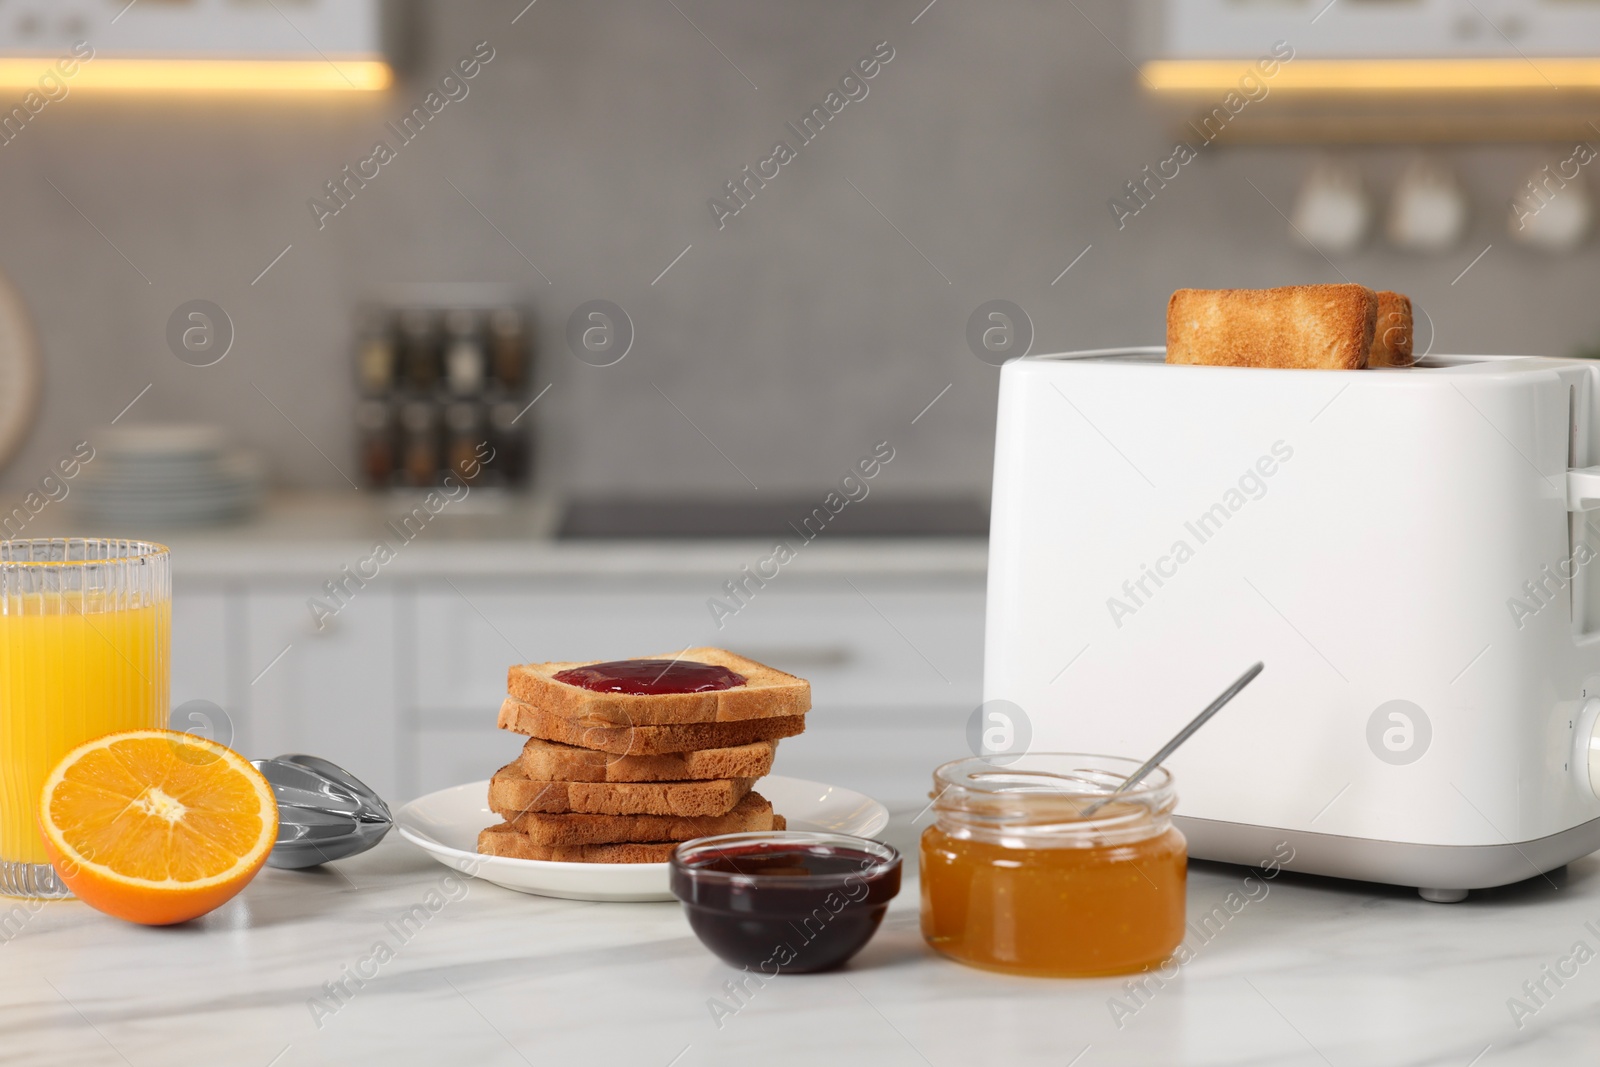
73 666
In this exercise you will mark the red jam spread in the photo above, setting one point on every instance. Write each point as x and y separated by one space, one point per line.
651 677
782 905
805 861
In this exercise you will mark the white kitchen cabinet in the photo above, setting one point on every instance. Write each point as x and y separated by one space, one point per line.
439 758
402 686
468 633
870 643
887 753
895 665
200 660
330 692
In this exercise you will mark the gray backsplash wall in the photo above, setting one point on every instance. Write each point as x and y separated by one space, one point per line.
823 318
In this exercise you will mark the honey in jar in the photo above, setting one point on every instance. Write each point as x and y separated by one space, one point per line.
1026 871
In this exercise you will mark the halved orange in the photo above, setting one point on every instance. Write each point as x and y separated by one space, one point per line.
155 826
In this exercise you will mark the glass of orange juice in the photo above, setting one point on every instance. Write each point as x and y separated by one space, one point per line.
85 625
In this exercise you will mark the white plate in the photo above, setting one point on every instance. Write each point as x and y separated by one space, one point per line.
445 825
164 441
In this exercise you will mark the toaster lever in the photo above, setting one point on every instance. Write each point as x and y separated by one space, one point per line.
1583 489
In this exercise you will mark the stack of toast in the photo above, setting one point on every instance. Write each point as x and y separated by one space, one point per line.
620 777
1323 327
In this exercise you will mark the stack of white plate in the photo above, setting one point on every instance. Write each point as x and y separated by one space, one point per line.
168 475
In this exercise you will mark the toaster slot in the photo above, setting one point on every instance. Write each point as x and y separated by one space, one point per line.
1575 520
1583 527
1585 609
1573 451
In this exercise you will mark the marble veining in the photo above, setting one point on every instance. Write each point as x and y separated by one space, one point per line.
1306 971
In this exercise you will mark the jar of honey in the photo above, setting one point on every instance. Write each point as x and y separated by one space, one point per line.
1026 869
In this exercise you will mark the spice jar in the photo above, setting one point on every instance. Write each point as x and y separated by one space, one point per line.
508 345
466 365
1026 871
464 434
511 461
375 354
420 457
419 350
375 423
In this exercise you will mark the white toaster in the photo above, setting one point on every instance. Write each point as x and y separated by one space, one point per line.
1408 550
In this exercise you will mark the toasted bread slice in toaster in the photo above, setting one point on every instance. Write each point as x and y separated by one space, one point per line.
1391 338
1313 327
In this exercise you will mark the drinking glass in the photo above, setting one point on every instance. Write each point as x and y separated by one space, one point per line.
85 626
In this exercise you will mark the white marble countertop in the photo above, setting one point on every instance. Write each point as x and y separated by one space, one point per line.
1310 971
296 535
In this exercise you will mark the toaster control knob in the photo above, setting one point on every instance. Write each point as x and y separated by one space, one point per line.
1594 759
1588 753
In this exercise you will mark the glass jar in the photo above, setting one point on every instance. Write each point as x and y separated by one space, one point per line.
466 364
419 420
1025 871
375 359
511 462
508 348
419 350
375 424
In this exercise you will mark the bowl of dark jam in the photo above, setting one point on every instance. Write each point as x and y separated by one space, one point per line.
785 902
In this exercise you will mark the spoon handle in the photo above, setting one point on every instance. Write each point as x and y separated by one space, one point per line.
1181 736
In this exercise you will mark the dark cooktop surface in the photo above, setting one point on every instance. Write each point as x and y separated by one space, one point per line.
792 517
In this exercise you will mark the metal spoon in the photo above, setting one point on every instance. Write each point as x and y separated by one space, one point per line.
1177 739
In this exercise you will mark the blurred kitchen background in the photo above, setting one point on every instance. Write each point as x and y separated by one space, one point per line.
769 354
